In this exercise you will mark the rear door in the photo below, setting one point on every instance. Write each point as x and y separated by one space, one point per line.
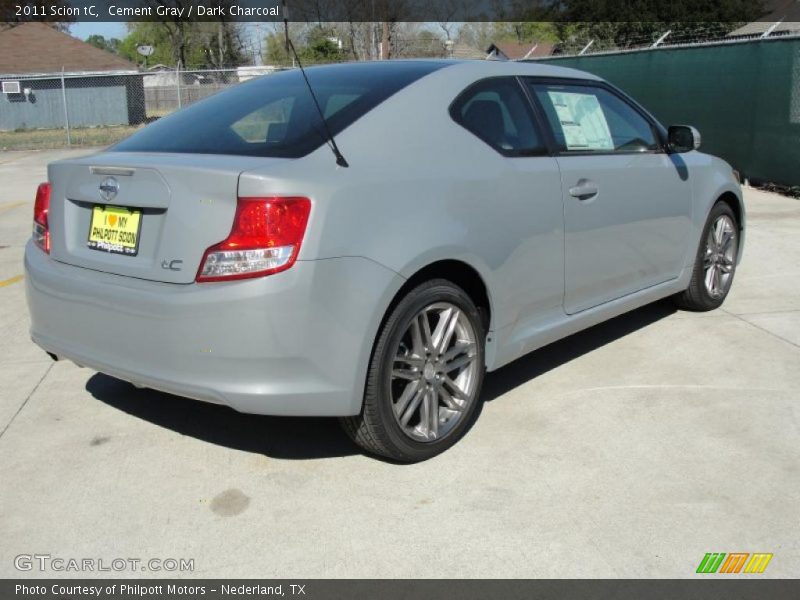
627 203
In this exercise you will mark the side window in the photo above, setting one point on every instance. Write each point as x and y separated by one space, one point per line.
592 119
497 111
269 123
337 102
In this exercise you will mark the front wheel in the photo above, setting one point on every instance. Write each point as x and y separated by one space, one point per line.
715 264
425 375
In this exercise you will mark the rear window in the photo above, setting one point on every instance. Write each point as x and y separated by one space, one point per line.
275 115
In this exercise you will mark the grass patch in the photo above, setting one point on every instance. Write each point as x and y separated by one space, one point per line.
41 139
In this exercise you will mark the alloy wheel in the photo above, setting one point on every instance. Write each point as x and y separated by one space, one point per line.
435 372
719 260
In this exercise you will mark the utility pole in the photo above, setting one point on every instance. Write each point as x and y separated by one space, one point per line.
259 58
66 111
385 41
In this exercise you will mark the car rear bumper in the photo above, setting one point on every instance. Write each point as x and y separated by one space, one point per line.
295 343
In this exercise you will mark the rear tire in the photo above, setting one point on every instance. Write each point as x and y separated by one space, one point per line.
425 375
715 263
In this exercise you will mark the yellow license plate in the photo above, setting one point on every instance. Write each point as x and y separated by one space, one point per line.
115 229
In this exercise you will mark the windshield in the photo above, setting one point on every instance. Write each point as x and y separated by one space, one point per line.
275 115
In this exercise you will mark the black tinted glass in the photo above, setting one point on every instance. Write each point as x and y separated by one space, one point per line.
275 115
497 111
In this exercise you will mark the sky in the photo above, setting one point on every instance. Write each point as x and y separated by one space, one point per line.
83 29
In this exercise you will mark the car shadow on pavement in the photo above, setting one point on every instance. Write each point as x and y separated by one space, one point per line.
276 437
310 438
563 351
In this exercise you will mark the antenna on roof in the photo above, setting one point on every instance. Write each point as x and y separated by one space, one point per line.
340 160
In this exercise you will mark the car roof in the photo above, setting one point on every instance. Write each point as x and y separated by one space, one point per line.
479 68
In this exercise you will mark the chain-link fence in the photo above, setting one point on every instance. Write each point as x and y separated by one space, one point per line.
742 91
624 39
97 109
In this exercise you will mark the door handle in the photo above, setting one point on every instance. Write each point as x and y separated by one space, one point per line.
584 190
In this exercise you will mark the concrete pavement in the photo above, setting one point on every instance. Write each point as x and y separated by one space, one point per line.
629 450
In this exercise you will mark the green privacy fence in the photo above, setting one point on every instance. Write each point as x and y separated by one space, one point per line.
744 98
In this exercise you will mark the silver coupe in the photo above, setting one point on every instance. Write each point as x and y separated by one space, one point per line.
368 243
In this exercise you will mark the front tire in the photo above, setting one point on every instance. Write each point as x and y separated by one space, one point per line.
715 263
425 375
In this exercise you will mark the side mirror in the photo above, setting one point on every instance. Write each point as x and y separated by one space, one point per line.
683 138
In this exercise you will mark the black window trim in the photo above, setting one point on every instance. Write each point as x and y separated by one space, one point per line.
659 133
536 122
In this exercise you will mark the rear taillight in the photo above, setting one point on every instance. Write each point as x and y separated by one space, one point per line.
41 230
265 239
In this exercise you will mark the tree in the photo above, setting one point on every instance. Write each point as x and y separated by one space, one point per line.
275 50
193 45
638 22
320 47
362 25
311 42
661 11
479 34
413 40
445 13
222 43
155 35
99 41
524 32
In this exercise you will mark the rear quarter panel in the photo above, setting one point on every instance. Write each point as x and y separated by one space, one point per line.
420 188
